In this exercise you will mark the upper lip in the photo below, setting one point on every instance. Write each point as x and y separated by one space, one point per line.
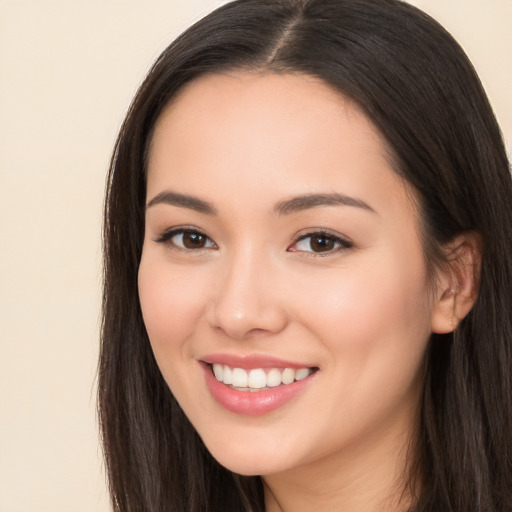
250 362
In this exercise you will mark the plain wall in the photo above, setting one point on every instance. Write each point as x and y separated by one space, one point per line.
68 70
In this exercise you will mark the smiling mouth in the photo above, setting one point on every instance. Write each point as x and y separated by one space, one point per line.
258 379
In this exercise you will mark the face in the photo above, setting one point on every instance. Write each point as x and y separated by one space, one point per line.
282 280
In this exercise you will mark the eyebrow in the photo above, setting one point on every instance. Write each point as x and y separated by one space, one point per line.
183 200
293 205
307 201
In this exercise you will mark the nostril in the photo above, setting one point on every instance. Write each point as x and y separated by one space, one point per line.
254 322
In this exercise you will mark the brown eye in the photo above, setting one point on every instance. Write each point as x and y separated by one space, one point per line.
186 239
320 242
193 240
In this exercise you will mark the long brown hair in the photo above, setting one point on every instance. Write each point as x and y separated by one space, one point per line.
418 87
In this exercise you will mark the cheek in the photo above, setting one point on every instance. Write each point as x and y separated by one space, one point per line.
374 325
171 303
372 310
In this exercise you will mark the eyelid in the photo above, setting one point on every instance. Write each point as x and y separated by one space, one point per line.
344 242
166 236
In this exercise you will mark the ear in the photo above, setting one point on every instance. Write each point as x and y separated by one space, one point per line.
457 283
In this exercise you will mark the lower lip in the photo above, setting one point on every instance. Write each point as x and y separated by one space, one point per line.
251 403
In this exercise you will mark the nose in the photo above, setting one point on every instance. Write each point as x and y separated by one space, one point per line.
247 302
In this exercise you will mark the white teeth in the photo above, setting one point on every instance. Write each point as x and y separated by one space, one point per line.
218 371
227 378
239 378
288 376
299 374
273 378
257 378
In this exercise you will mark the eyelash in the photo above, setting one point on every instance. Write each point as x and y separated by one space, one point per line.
167 236
339 243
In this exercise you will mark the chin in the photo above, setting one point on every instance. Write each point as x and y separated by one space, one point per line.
250 467
252 462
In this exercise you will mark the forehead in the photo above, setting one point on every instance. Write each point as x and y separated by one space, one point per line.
245 100
268 134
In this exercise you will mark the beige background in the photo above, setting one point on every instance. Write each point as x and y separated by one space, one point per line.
68 70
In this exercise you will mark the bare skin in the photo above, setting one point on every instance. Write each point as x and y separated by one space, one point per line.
236 263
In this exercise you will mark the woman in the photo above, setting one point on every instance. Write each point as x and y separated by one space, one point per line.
307 274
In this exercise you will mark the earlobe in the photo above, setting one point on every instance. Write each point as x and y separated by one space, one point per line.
458 284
